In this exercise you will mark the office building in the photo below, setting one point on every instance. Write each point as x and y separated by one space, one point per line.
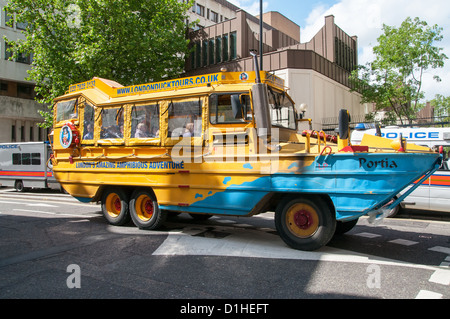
316 72
18 110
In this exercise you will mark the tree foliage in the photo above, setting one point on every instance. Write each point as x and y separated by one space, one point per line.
128 41
393 81
441 105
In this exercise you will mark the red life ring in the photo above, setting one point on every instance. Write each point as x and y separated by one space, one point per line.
69 135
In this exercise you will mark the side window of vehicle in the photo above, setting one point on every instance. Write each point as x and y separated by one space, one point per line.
35 158
229 108
145 121
184 119
88 122
26 158
112 124
66 110
17 159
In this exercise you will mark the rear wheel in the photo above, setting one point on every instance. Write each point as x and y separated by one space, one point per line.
144 210
305 223
18 185
115 206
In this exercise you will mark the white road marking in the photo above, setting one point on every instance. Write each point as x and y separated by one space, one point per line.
50 213
426 294
368 235
257 244
440 249
441 276
403 242
6 202
41 205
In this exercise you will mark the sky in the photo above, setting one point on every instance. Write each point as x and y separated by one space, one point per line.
365 18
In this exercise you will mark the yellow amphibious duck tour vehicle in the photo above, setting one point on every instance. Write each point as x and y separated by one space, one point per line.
222 144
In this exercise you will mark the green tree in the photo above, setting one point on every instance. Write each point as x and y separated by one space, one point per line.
128 41
441 106
393 81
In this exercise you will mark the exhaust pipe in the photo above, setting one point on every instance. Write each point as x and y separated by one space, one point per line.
261 107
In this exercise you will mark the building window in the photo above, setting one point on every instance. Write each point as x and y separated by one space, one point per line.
198 55
214 16
21 25
205 53
200 10
225 47
24 58
9 19
13 133
8 53
192 56
24 91
218 49
233 44
344 56
211 51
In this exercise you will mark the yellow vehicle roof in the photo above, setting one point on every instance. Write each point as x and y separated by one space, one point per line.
103 91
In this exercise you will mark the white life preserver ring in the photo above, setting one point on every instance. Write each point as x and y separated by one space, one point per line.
69 135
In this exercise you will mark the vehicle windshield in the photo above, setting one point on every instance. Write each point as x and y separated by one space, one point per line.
282 111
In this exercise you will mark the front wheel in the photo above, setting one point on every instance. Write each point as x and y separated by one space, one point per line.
305 223
343 227
144 210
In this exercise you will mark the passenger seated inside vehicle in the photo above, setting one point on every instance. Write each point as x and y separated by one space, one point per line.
141 131
189 130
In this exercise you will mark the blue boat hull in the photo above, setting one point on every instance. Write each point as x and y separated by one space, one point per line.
356 183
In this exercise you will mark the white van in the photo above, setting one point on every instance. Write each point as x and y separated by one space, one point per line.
24 165
433 194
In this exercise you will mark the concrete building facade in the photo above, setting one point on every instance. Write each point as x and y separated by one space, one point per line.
316 72
18 109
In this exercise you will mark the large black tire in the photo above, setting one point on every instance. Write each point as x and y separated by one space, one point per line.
343 227
18 185
144 210
305 223
115 206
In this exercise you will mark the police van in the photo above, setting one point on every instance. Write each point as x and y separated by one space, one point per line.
433 194
26 165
